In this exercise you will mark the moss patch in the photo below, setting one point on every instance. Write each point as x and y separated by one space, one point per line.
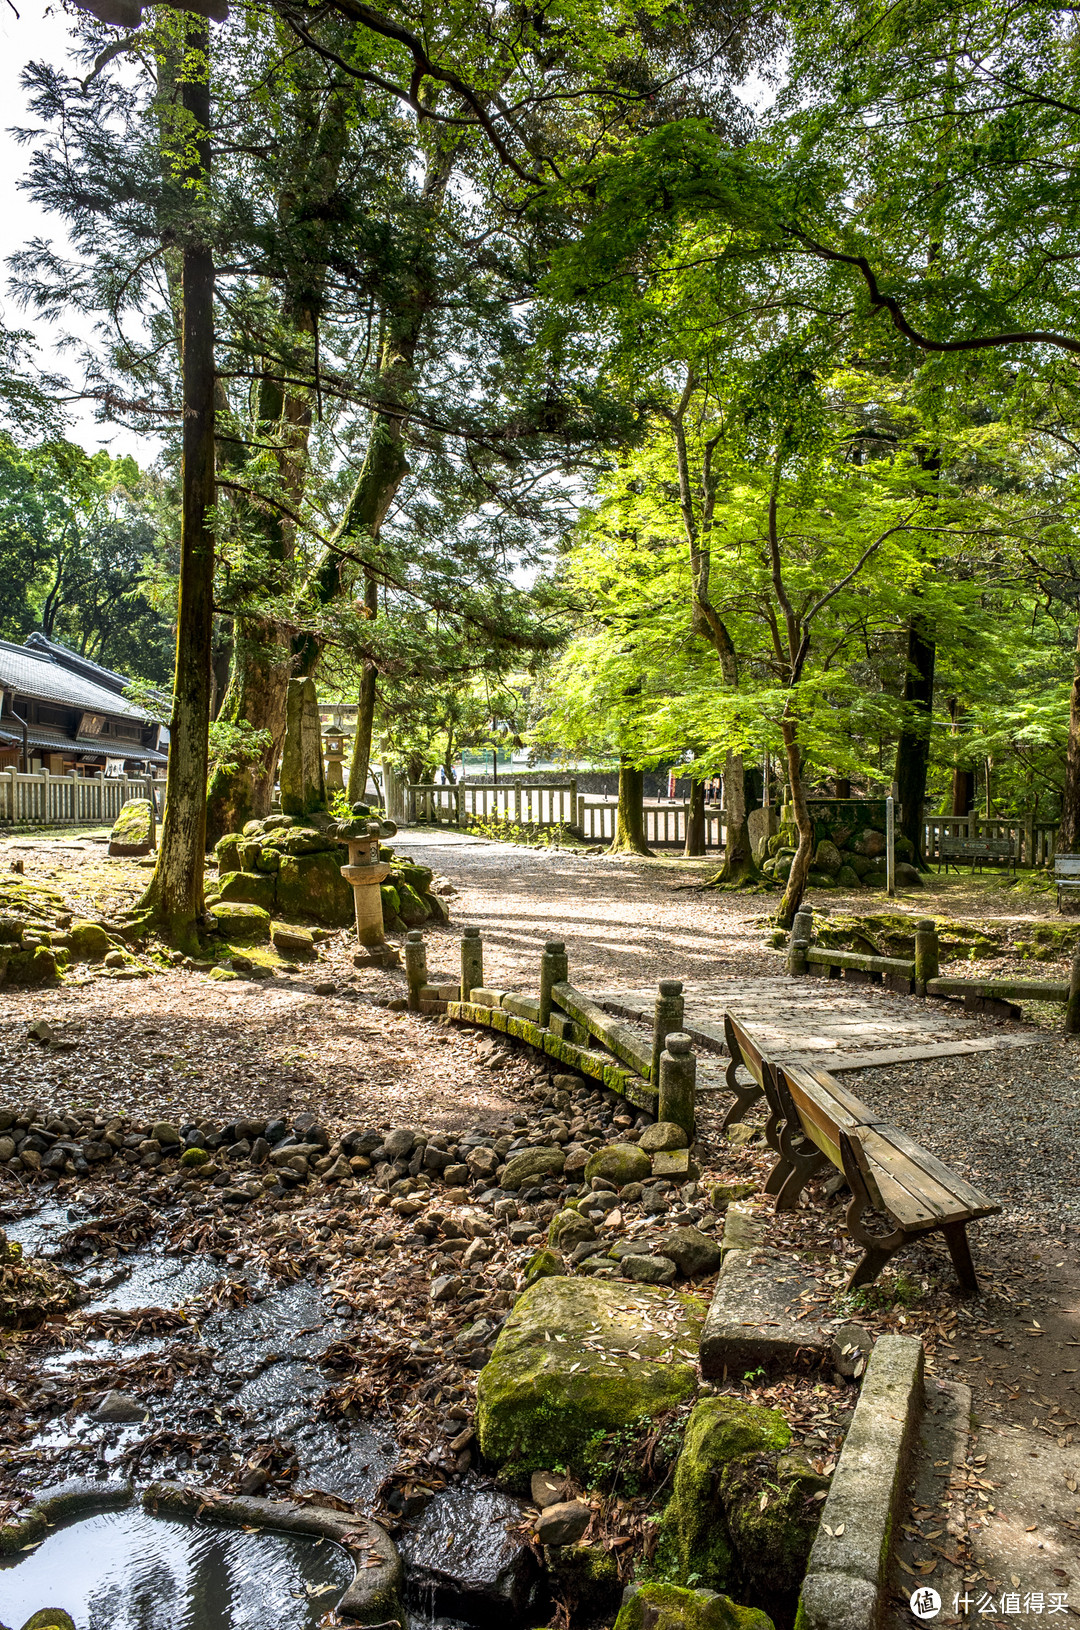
695 1537
667 1607
890 933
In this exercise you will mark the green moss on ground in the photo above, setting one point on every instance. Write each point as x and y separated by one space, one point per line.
668 1607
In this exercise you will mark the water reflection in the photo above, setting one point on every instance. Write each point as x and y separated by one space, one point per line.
127 1570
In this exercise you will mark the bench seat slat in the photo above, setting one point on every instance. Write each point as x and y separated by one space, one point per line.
960 1193
837 1092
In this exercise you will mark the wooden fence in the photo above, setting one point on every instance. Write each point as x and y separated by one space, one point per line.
71 800
551 804
1033 844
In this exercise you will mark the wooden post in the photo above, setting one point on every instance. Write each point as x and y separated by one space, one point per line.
667 1019
678 1078
554 970
415 966
472 961
890 847
927 953
796 960
1072 1006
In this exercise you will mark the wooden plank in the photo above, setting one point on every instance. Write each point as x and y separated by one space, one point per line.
913 1186
884 1056
622 1042
961 1190
1015 990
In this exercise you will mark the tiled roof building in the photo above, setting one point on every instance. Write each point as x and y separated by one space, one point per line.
63 713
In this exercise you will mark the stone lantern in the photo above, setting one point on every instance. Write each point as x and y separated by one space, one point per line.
334 753
366 873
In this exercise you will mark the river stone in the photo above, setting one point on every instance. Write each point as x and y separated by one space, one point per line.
531 1163
544 1265
548 1488
541 1401
132 829
647 1270
89 941
564 1523
619 1163
850 1350
694 1532
667 1607
757 1317
399 1143
662 1136
117 1407
693 1253
569 1228
464 1556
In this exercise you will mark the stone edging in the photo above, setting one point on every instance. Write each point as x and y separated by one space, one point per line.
847 1574
373 1598
63 1503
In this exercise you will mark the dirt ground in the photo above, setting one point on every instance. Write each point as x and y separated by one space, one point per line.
179 1042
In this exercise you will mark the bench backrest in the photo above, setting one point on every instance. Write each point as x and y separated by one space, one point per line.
740 1044
1067 866
977 846
823 1106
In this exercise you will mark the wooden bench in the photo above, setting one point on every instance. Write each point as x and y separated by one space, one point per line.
1066 874
976 851
815 1122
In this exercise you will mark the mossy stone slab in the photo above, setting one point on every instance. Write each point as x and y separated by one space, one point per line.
578 1358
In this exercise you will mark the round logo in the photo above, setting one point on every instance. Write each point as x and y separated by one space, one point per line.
925 1603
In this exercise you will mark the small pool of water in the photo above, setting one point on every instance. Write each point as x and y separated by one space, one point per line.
127 1570
37 1231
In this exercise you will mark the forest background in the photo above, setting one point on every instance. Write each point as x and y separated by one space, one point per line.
687 383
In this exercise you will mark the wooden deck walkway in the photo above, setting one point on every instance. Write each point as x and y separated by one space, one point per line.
838 1025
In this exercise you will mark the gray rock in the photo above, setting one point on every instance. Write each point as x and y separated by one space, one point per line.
647 1270
548 1488
563 1524
661 1137
742 1230
446 1287
532 1164
120 1408
482 1162
693 1253
399 1143
851 1348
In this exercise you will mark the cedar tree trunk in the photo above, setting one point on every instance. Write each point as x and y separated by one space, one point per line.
913 747
800 866
1069 832
175 896
695 820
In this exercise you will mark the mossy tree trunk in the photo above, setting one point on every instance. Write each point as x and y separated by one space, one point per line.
630 816
365 710
1069 832
800 866
913 746
174 899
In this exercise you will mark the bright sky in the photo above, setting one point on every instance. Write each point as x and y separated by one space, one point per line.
41 31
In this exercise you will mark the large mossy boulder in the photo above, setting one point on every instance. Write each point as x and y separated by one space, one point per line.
772 1507
668 1607
311 885
720 1431
578 1359
619 1163
237 920
89 942
253 888
227 853
133 829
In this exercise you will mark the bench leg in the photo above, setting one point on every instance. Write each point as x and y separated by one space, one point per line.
877 1248
870 1265
778 1176
960 1251
802 1159
745 1099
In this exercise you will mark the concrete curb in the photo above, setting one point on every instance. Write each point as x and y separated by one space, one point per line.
63 1503
847 1576
373 1598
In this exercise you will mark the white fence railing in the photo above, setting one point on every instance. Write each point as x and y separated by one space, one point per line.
665 824
543 804
71 800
